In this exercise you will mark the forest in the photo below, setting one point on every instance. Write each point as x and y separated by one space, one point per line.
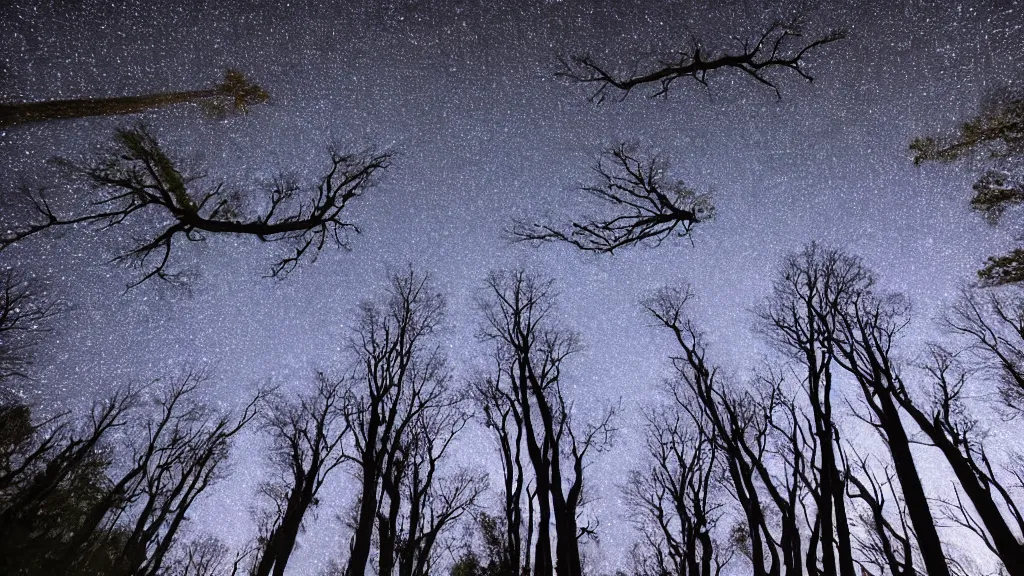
853 447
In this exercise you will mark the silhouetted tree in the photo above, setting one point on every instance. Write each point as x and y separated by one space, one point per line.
800 319
432 499
403 413
998 517
996 137
138 178
307 433
178 450
780 47
867 325
672 499
887 543
992 323
741 424
207 556
234 94
642 206
24 313
533 348
495 395
54 472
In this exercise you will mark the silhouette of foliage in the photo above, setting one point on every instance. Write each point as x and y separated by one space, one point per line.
995 138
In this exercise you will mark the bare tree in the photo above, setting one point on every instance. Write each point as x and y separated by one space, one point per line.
234 94
31 477
178 451
307 435
496 399
137 181
433 500
642 205
533 348
888 543
992 322
780 47
867 327
799 317
998 517
673 499
24 313
401 390
742 424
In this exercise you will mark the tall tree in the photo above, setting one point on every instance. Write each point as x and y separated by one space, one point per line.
403 413
495 396
137 182
518 320
998 511
741 423
888 542
235 93
307 433
673 498
178 450
431 499
642 206
799 318
53 472
867 327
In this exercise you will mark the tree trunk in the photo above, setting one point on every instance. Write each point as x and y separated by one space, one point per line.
12 114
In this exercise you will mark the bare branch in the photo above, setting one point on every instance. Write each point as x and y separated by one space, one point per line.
780 47
138 178
642 207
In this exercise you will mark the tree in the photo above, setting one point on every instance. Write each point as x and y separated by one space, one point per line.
781 46
403 413
739 423
54 471
672 500
178 450
995 137
508 554
234 94
992 323
137 181
998 515
533 348
888 543
307 435
24 313
432 499
68 506
800 319
643 206
867 327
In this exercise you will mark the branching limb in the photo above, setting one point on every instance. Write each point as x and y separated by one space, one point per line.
643 207
138 177
781 46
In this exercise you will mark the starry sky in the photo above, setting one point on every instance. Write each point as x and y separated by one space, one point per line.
464 93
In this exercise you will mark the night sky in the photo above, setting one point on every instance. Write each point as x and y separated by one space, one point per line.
464 93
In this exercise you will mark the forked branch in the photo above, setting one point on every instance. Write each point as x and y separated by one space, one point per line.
137 177
642 206
782 46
